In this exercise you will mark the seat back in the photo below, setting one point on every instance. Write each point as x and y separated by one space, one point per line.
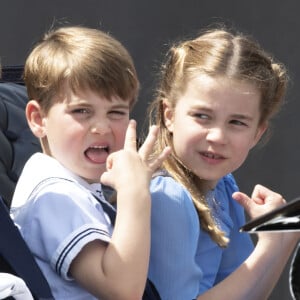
17 145
16 139
16 258
12 74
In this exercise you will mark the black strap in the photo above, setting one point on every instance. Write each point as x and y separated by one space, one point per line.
150 292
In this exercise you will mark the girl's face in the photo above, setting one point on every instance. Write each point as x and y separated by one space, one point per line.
83 129
214 125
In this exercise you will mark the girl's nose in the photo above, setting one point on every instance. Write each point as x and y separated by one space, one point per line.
216 135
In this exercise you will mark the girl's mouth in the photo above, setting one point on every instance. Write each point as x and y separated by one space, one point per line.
212 156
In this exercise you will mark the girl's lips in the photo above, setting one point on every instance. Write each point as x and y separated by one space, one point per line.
97 154
211 157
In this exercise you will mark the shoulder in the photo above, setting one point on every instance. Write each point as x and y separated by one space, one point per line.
63 195
42 174
37 168
167 187
171 200
226 186
53 196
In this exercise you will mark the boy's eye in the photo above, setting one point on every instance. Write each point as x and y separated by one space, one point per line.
80 111
116 114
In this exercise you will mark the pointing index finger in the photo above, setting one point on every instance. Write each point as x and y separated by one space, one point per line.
130 137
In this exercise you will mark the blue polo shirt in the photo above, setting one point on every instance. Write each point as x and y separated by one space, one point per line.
184 261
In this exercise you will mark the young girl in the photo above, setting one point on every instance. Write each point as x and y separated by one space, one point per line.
216 97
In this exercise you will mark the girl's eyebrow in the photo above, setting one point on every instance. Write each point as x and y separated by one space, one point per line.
201 107
235 115
242 117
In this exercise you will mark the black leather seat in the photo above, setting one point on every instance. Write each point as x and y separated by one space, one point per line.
16 140
17 144
16 258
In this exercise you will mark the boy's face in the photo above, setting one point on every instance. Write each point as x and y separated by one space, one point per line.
83 129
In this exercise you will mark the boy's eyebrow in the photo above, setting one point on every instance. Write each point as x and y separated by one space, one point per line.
119 105
124 105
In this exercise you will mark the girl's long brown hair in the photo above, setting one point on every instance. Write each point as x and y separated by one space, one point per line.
215 53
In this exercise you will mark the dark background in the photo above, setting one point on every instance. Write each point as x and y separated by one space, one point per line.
147 27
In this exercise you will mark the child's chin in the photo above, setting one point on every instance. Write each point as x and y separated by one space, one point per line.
94 178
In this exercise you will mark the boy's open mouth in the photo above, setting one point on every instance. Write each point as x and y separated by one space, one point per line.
97 154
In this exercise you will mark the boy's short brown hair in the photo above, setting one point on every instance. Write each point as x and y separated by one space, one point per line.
82 58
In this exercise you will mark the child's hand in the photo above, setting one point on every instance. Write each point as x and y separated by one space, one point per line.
129 166
262 200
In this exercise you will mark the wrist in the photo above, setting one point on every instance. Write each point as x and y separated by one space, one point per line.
278 241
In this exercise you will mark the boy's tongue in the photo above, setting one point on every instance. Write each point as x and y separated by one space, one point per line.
97 155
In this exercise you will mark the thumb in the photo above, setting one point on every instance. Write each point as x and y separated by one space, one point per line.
243 199
109 162
105 178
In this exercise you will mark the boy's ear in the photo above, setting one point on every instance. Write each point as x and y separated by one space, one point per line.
168 115
34 118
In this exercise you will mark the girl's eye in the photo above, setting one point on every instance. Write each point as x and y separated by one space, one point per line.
238 123
201 116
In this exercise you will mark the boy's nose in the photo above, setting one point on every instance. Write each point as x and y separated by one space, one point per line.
100 127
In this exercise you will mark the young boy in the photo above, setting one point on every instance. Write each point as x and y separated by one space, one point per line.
82 85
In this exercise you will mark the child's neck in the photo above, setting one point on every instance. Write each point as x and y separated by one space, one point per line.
206 185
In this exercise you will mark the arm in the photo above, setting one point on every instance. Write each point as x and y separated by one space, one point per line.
257 276
118 270
241 245
174 241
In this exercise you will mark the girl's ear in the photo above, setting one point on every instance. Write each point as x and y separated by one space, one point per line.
35 118
260 131
168 115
